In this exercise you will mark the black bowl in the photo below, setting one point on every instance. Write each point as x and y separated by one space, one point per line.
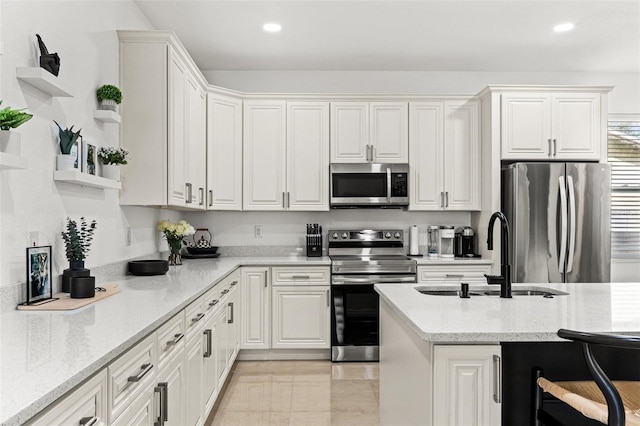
202 250
148 267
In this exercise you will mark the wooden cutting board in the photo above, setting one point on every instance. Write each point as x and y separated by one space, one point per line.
64 302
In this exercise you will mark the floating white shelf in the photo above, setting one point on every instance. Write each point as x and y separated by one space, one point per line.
12 162
106 116
85 179
45 81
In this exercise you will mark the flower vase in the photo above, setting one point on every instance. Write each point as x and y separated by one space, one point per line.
111 171
65 162
76 269
175 245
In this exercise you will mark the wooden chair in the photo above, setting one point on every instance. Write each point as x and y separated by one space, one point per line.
613 403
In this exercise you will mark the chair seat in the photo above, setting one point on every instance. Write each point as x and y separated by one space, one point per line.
586 397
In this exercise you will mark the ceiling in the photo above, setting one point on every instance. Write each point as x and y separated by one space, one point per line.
392 35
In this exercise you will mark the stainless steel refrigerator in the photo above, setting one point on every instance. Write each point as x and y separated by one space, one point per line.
559 217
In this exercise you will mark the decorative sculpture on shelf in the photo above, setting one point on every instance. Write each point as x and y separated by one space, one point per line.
48 61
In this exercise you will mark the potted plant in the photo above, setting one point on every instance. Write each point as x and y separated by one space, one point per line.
174 234
111 159
77 240
10 119
66 160
109 96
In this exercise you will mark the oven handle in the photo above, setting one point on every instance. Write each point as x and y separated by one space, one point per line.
371 279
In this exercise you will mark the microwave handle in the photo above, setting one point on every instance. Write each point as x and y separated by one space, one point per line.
389 185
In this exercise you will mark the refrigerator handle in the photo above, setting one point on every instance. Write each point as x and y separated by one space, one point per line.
563 219
572 218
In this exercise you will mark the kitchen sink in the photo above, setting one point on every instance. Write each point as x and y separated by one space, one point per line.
486 291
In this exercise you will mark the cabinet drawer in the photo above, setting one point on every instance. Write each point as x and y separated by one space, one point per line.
446 274
314 275
213 297
130 374
170 335
194 315
88 401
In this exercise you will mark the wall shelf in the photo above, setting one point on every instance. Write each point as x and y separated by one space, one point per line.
45 81
12 162
106 116
85 179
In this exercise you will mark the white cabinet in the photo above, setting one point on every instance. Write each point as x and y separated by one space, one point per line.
453 274
544 125
172 388
365 132
445 155
163 122
286 162
466 385
87 402
194 373
224 153
255 301
140 412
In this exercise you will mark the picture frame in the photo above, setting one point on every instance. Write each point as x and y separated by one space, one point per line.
89 158
39 275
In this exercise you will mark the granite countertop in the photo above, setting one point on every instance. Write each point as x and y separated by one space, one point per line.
45 354
594 307
426 260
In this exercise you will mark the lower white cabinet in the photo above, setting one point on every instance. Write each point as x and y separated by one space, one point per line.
194 400
453 274
466 385
255 295
171 388
140 412
86 403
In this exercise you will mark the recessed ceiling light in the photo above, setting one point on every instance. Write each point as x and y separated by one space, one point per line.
272 27
564 27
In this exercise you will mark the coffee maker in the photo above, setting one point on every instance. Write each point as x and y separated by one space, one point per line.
464 243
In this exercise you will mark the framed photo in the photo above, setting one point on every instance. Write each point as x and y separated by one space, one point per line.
39 286
89 152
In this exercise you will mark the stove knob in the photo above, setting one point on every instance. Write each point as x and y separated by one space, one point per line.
334 235
387 235
396 235
344 235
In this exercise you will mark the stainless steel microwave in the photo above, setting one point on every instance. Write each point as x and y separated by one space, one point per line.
369 185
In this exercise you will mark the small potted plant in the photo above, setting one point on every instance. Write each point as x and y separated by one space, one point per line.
174 234
77 240
112 158
109 96
67 160
10 119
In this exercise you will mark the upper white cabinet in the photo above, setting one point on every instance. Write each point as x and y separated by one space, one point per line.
444 164
163 122
369 132
551 125
286 159
224 153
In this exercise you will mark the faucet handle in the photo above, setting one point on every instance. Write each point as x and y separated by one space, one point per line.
494 279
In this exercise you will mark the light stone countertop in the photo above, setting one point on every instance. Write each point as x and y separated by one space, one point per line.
593 307
426 260
45 354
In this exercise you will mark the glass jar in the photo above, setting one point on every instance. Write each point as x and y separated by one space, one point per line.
432 247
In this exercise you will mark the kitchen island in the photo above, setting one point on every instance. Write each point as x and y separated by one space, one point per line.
440 356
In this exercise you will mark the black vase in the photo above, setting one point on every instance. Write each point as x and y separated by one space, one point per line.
76 269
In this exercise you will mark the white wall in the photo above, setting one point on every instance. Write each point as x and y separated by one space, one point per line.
83 35
625 97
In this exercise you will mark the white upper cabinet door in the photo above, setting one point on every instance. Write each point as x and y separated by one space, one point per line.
224 153
177 152
576 126
350 132
526 126
426 159
461 156
196 144
389 132
264 155
307 156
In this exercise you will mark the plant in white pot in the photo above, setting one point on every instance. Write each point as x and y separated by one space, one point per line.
10 119
112 158
109 96
66 160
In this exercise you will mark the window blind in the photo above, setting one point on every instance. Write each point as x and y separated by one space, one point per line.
624 157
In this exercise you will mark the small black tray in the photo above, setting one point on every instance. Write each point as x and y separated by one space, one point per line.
200 256
198 251
148 267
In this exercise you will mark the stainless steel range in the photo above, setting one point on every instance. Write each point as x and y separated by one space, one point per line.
360 259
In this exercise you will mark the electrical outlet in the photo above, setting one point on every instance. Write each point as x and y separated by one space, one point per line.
34 237
127 236
257 231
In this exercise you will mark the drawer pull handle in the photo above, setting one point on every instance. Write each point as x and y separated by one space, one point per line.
233 283
213 303
143 371
197 318
454 276
88 421
301 277
207 333
175 341
225 291
230 320
497 379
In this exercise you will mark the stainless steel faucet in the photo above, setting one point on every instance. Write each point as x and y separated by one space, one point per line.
504 279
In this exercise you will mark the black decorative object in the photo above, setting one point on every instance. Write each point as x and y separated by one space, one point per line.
48 61
39 288
76 269
148 267
83 287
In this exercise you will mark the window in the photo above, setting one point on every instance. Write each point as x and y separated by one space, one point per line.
624 156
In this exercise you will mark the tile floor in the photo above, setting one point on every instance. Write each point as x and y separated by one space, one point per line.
300 393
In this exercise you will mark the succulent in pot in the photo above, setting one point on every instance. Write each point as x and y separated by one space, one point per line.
68 138
109 96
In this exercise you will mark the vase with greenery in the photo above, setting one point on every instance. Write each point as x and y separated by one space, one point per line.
10 119
68 139
112 158
174 234
77 240
109 96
